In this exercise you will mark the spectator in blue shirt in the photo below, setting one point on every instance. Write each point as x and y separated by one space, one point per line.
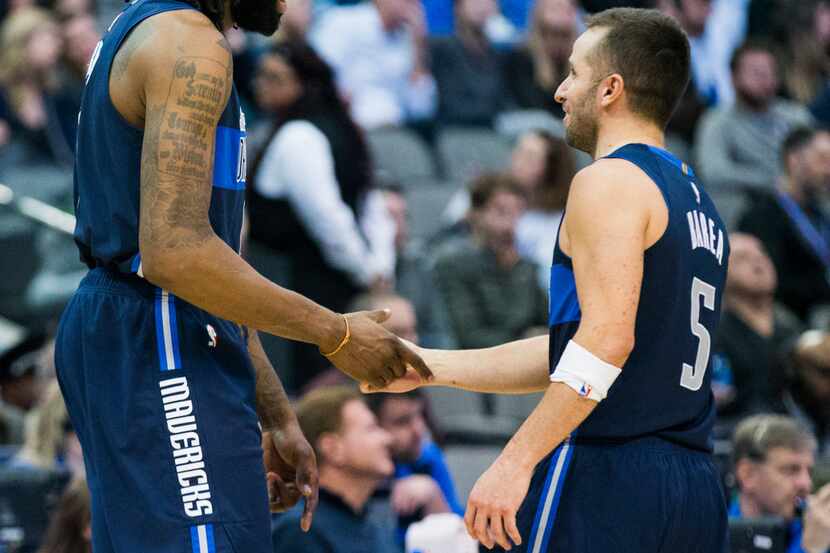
422 484
774 457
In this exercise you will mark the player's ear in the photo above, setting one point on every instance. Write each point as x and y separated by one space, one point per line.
611 88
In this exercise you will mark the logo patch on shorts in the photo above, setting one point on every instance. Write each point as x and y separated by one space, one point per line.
212 335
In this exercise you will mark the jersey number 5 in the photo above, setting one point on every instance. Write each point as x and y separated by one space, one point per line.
692 377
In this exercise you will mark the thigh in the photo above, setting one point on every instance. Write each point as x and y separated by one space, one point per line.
164 398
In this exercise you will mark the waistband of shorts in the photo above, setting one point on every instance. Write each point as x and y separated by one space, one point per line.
113 281
649 441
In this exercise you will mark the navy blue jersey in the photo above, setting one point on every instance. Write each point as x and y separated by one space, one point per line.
108 160
664 388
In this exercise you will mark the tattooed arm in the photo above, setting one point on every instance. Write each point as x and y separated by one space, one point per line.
185 85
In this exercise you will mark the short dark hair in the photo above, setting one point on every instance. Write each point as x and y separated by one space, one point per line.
375 402
651 53
485 186
755 436
797 139
751 45
321 412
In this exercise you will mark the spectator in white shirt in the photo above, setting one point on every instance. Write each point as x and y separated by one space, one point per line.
310 195
378 52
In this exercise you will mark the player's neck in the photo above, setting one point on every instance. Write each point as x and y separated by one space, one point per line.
617 133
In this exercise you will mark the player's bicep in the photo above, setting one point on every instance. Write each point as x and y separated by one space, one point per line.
184 100
606 227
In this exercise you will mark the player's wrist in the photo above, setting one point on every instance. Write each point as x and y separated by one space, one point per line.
333 331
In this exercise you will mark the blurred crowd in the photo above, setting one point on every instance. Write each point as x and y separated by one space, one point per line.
409 154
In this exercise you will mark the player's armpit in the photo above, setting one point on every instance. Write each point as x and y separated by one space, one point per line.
184 97
606 231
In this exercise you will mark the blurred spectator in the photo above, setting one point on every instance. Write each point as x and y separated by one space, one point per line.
295 22
414 279
544 166
755 337
774 457
80 36
467 68
50 443
715 29
533 71
401 321
422 484
67 9
70 528
491 292
792 224
353 459
739 145
21 384
30 46
309 193
808 397
807 66
378 52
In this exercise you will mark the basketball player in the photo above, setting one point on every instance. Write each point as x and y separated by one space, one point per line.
157 353
616 456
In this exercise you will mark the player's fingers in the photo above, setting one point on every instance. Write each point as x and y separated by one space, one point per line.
511 528
307 485
278 493
497 532
414 360
480 528
398 366
469 518
308 509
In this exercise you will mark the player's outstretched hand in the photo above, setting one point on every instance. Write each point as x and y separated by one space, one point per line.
373 354
408 382
290 471
493 504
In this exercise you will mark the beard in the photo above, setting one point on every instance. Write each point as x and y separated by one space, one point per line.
583 129
258 16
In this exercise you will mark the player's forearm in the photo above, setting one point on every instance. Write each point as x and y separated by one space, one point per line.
555 417
513 368
272 405
210 275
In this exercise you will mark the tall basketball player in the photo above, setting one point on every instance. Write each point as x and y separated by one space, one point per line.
157 353
616 456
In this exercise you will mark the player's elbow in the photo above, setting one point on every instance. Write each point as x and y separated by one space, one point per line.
159 267
613 347
617 348
169 255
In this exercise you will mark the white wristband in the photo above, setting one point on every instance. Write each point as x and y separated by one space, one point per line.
586 373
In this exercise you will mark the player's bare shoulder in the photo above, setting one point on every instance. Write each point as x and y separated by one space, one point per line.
612 188
146 62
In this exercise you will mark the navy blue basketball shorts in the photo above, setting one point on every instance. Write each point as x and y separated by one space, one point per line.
162 397
642 496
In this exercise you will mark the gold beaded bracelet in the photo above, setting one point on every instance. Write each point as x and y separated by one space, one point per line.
343 342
